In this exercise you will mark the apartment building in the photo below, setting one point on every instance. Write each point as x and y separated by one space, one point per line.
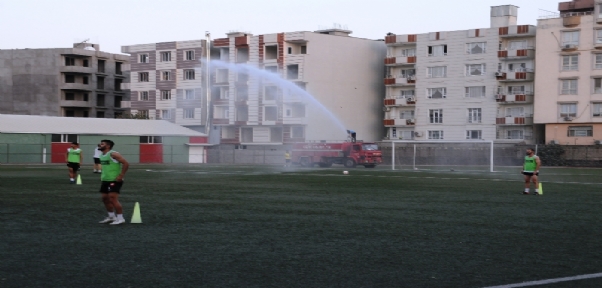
73 82
167 82
569 94
297 86
474 84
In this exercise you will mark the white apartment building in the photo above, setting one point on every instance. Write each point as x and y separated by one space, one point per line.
296 86
167 82
462 85
569 94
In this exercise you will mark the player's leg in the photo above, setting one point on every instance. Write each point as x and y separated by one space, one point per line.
535 181
527 183
114 198
107 202
71 174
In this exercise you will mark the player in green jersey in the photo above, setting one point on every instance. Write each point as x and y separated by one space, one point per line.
114 167
74 159
531 171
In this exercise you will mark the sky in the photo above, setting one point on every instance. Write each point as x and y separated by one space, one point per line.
115 23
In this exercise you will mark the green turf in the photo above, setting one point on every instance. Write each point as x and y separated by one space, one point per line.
245 226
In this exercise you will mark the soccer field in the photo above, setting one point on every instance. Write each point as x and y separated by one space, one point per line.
268 226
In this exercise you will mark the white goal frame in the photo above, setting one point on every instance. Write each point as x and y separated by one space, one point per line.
440 142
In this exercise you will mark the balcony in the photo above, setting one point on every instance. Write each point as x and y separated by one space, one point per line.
399 40
517 31
74 103
294 121
125 86
126 104
515 76
400 101
400 80
75 86
76 69
514 120
400 60
528 53
399 122
517 98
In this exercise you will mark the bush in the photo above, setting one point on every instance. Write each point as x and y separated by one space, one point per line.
551 155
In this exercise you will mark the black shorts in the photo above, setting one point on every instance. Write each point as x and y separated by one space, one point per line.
73 165
531 173
110 186
96 160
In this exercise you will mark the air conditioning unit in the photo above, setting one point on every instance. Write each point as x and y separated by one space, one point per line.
411 78
568 118
569 46
410 99
597 142
386 109
411 121
417 134
499 74
499 97
554 142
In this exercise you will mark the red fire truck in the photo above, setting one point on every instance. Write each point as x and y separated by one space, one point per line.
349 154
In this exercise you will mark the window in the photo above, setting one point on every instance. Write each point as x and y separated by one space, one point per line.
143 58
100 83
435 134
189 94
297 132
598 36
597 85
475 48
292 71
273 69
86 97
290 50
165 56
475 91
65 138
303 49
405 135
270 113
515 112
516 45
408 52
86 63
517 67
69 96
580 131
436 93
224 93
270 93
515 134
406 114
570 38
101 66
165 75
150 139
165 94
117 101
407 93
85 79
165 114
69 78
142 114
100 100
189 113
598 61
569 87
436 72
189 55
405 73
473 134
100 114
516 90
596 109
143 96
568 110
118 68
474 115
189 74
436 116
570 62
142 76
69 61
475 69
438 50
271 52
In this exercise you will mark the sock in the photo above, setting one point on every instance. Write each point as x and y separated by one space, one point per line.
71 179
120 216
527 190
112 214
536 190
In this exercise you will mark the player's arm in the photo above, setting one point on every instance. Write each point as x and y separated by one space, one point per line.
81 158
124 165
538 162
67 156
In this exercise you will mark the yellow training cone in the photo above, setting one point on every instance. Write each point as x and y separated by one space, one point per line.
540 189
79 180
136 216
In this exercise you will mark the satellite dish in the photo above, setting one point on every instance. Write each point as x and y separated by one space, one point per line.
90 48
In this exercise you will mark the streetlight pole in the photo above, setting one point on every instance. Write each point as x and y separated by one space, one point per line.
208 81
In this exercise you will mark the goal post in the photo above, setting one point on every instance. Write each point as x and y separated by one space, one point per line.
393 142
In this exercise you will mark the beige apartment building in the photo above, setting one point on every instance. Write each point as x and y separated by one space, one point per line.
291 87
568 95
474 84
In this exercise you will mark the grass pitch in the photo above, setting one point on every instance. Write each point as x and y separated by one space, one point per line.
249 226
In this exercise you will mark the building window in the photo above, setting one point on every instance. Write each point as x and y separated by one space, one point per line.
569 87
143 96
406 114
297 132
189 113
143 58
410 52
101 66
165 94
568 110
100 100
436 116
224 93
100 114
86 63
475 91
473 134
142 114
273 69
150 139
69 61
515 134
580 131
515 112
436 93
165 114
516 45
85 79
475 48
100 83
597 85
474 115
165 75
292 71
189 94
270 113
165 56
303 49
142 76
189 55
437 50
69 78
189 74
475 69
65 138
516 90
290 50
596 109
570 38
270 93
69 96
517 67
436 135
598 61
406 93
570 62
436 72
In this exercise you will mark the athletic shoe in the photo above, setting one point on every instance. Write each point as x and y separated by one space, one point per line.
536 193
525 193
71 181
117 222
108 220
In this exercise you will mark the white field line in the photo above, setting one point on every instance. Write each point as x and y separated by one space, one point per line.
549 281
